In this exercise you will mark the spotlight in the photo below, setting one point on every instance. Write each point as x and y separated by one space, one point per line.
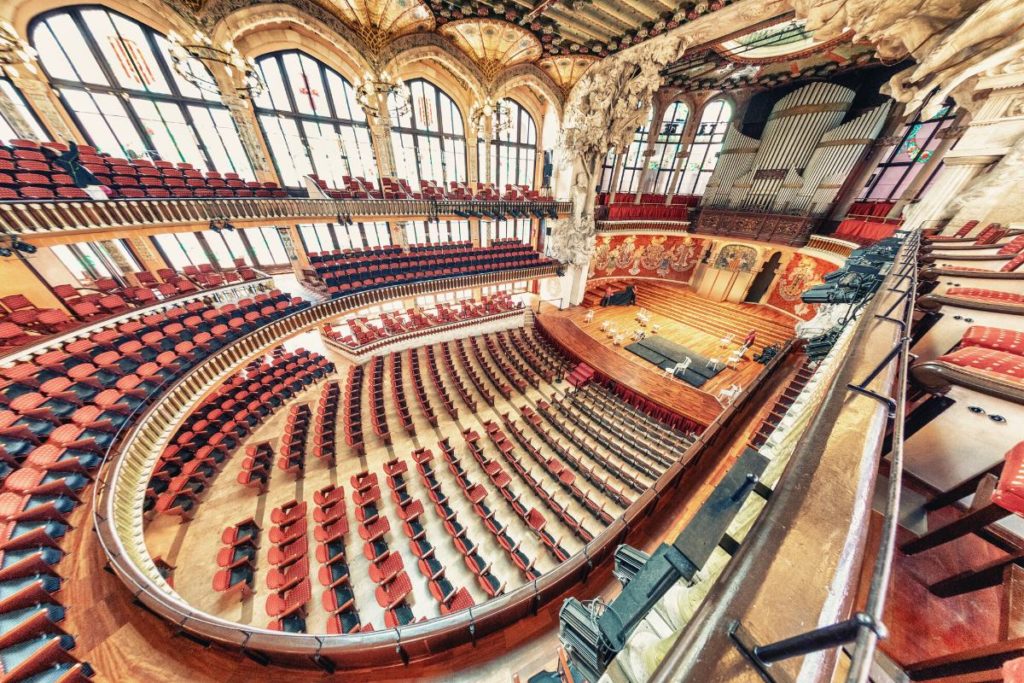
24 246
4 251
214 226
227 226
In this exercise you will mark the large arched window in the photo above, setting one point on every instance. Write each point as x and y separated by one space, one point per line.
429 140
633 163
7 128
513 150
706 146
904 160
668 145
115 77
312 121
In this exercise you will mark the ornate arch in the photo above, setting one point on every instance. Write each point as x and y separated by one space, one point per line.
418 47
262 29
533 77
160 16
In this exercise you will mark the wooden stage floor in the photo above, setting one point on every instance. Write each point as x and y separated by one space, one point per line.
595 348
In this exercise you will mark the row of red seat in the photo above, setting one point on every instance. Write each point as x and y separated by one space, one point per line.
453 376
255 472
325 424
237 559
474 377
338 599
398 394
601 482
23 323
293 440
362 331
420 389
288 576
61 411
471 553
386 566
207 437
352 414
410 510
440 388
378 406
389 188
476 494
562 476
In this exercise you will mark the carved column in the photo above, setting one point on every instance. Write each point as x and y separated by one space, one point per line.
43 100
10 111
488 138
378 118
472 153
242 113
613 187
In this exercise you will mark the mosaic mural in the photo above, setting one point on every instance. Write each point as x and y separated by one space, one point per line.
801 273
671 257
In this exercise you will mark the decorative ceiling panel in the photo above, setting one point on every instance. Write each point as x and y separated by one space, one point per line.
383 20
566 70
493 44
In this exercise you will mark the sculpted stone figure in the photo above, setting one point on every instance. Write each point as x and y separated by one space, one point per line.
951 40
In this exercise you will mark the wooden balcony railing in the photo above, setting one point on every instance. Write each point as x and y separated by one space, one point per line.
76 217
792 230
121 485
831 245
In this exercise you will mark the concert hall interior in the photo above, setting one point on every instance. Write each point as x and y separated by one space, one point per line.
547 341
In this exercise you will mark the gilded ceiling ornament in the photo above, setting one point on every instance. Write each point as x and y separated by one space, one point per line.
494 45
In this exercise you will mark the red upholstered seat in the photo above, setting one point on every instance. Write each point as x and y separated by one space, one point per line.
1011 341
983 294
1009 491
1013 264
999 364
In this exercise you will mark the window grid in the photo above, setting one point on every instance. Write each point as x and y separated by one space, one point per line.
904 160
513 158
312 122
668 144
429 141
142 107
707 144
7 131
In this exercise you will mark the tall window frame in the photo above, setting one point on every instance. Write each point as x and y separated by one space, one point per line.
429 140
903 161
669 144
707 145
513 158
633 162
312 121
142 107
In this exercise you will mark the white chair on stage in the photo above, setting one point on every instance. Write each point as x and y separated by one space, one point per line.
681 366
617 340
714 364
728 395
589 317
655 329
735 357
726 340
604 326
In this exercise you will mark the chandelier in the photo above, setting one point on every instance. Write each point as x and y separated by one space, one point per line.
371 91
500 115
192 61
13 50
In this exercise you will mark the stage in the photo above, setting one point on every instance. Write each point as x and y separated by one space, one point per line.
586 342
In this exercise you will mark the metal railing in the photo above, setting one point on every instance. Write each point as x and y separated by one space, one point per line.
865 628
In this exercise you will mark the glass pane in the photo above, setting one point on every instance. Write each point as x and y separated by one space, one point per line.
259 246
68 58
126 51
277 250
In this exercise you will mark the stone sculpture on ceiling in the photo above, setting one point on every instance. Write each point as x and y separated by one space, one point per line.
952 41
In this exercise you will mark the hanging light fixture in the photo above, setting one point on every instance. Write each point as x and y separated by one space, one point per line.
190 58
13 50
371 89
499 113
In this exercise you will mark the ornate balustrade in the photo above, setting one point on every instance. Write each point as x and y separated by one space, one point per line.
72 219
831 245
122 481
792 230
